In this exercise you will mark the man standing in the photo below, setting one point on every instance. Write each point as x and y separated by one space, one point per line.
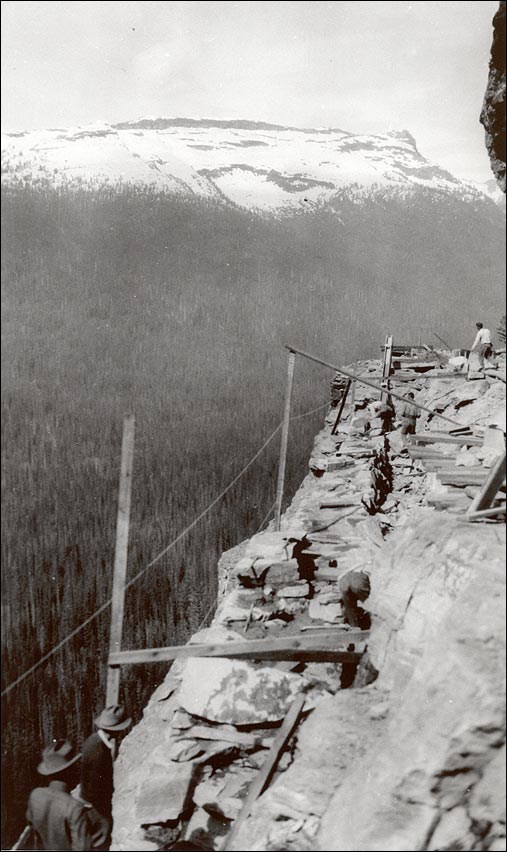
409 415
97 766
60 821
482 344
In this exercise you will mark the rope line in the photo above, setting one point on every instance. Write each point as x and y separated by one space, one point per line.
312 411
156 559
266 516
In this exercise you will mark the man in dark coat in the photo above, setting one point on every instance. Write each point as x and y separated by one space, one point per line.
97 766
58 820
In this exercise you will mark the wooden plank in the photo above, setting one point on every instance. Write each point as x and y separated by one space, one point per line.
120 557
285 439
435 438
405 377
339 504
486 513
487 494
429 453
268 767
370 384
458 478
298 647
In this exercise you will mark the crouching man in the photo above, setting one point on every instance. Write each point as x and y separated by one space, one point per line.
355 589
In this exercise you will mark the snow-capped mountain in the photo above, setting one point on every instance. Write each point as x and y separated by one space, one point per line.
251 164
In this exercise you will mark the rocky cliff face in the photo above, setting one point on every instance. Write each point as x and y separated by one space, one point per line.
404 750
493 110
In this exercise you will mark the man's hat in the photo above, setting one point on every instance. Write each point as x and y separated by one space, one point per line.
113 718
58 756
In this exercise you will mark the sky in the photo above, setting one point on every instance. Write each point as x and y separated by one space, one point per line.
364 67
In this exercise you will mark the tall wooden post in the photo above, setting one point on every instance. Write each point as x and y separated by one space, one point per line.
120 557
386 367
285 438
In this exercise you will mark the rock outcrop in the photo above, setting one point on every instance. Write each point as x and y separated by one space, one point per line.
493 109
412 756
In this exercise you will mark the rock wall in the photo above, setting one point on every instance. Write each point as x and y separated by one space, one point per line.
493 109
412 756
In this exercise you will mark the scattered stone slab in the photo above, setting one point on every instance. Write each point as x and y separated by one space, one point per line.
327 675
165 794
301 590
223 792
454 831
229 734
181 720
280 574
199 751
229 613
235 692
487 800
330 612
206 830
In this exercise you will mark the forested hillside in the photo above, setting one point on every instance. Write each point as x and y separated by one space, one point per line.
122 300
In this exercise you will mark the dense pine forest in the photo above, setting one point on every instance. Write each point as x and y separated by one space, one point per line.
120 300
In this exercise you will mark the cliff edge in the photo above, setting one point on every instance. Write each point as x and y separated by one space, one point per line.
401 744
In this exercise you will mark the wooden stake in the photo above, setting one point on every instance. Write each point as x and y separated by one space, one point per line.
371 384
120 556
342 406
285 439
263 778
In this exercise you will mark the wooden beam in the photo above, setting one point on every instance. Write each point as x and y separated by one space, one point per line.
406 377
486 513
487 494
462 440
370 384
323 647
456 477
268 767
120 556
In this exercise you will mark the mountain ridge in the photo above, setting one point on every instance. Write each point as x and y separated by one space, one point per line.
256 165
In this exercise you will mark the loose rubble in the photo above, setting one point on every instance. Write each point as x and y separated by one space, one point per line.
396 762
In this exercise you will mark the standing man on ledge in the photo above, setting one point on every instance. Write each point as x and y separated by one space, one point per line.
97 766
483 344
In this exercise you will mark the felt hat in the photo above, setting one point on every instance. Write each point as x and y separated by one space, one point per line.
58 756
113 718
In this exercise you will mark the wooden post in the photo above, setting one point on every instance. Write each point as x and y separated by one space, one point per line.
342 406
120 557
285 438
386 366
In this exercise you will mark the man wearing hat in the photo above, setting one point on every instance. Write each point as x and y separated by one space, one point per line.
60 821
97 766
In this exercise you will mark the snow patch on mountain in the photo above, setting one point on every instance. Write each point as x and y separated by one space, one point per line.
254 165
